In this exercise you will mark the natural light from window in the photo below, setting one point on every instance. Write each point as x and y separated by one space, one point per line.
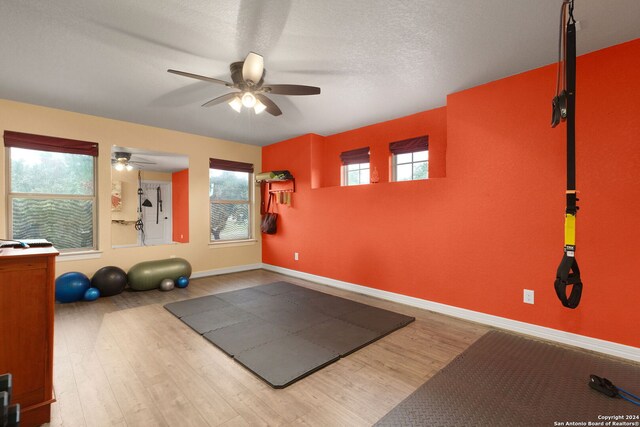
52 196
230 207
356 174
411 166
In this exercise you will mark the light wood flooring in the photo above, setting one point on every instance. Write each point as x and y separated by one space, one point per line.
126 361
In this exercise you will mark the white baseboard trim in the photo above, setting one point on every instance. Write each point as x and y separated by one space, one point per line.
226 270
598 345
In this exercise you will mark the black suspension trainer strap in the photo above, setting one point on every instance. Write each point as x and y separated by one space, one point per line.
158 204
568 273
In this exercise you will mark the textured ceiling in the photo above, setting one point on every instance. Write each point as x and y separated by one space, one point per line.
374 60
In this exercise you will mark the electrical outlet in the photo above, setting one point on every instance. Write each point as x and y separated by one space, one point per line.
528 296
295 256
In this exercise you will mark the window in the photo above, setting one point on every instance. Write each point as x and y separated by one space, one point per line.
230 197
52 190
410 159
355 174
355 166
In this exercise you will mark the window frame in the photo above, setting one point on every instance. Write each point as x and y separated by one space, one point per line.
47 196
345 174
411 146
228 166
395 164
358 156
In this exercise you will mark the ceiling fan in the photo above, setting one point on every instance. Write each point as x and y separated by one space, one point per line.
122 160
248 78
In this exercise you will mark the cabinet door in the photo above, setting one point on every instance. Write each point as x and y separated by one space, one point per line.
24 317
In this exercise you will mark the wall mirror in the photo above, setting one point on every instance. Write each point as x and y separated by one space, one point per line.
149 197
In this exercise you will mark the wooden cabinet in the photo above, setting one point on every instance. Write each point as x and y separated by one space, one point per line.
27 294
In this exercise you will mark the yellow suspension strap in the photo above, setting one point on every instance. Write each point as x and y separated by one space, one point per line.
568 273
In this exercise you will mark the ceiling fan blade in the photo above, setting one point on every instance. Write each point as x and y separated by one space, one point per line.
199 77
291 90
272 108
252 68
220 99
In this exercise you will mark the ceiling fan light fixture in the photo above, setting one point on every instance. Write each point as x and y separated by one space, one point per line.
128 167
252 69
236 104
259 107
119 166
248 100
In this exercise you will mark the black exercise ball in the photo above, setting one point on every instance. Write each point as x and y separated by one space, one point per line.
109 281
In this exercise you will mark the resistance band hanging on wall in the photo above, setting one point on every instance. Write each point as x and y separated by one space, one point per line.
564 108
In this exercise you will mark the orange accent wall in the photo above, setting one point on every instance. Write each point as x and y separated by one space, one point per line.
180 205
492 225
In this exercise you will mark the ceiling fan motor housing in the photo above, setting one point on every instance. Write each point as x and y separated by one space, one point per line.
238 80
122 156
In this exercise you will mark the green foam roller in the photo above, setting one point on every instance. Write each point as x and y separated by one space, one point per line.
147 275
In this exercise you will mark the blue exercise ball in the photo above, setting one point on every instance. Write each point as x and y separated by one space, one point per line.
109 280
182 282
92 294
71 286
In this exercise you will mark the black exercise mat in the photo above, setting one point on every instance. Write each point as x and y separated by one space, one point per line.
283 332
507 380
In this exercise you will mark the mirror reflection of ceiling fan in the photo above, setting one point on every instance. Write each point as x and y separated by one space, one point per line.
248 79
121 160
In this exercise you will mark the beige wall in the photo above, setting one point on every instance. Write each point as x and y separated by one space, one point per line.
203 257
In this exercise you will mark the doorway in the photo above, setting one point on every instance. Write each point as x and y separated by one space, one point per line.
157 218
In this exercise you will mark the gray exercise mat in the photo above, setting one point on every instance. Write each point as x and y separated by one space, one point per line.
283 332
242 336
211 320
293 319
285 360
333 306
301 295
198 305
278 288
338 336
376 319
241 295
266 305
508 380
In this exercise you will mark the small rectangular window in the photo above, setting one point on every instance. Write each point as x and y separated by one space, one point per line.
52 190
410 159
230 200
355 174
355 167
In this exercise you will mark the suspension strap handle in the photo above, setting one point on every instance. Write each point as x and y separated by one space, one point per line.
568 274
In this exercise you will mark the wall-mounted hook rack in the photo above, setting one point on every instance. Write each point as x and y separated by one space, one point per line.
280 189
